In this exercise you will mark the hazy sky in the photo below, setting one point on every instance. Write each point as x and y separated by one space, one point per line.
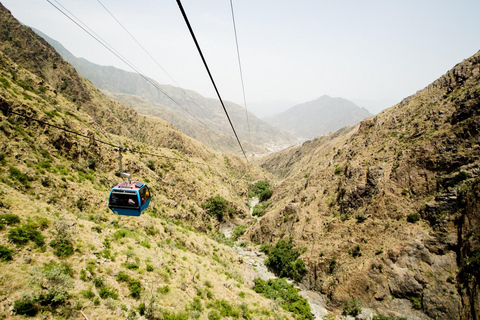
293 51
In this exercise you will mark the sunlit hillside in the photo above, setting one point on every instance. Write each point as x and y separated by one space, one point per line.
387 210
64 254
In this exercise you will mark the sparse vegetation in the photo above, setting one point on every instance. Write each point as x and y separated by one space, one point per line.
22 235
352 307
413 217
5 253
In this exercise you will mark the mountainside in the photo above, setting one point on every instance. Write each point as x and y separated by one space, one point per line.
64 254
387 211
314 118
199 117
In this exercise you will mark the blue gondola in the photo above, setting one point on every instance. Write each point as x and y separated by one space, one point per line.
129 198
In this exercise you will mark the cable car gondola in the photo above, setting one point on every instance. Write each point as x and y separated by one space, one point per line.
128 198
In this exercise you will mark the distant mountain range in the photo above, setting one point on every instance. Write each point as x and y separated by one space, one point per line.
199 117
314 118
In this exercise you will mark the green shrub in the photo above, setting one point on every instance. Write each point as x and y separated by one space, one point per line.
135 288
105 292
332 265
149 268
122 277
5 253
9 219
25 306
416 303
54 281
63 242
261 190
286 294
238 232
282 259
352 308
224 308
22 235
216 207
355 252
88 294
63 248
413 217
260 208
17 175
338 169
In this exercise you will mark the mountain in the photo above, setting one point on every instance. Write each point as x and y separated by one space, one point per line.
314 118
199 117
387 211
63 253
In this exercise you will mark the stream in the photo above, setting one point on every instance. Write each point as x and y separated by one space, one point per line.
254 262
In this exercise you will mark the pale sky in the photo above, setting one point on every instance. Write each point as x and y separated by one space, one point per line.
291 51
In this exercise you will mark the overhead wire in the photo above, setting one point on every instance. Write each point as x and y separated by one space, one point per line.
241 72
210 75
98 140
154 60
85 28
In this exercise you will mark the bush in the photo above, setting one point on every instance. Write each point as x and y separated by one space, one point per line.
355 252
135 288
122 277
54 281
260 208
286 294
352 308
22 235
238 232
5 253
63 243
332 265
413 217
25 306
9 219
416 303
216 206
224 308
282 259
16 174
261 190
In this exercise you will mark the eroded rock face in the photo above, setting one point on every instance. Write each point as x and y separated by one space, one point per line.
390 212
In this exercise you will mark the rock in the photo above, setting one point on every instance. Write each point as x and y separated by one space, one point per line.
402 284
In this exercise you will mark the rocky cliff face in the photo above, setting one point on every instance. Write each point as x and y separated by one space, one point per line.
353 198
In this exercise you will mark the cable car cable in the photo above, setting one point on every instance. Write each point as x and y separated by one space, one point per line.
158 64
112 50
241 73
210 75
101 141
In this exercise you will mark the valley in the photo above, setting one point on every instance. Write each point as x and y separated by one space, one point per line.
377 220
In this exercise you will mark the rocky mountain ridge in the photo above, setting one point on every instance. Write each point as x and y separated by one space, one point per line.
312 119
199 117
386 209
